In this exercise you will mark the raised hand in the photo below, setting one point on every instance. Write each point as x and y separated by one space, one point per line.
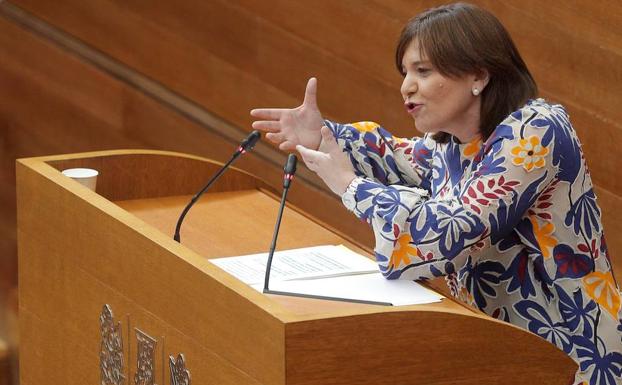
289 127
332 165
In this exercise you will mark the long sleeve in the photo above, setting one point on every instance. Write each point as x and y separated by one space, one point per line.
419 237
381 157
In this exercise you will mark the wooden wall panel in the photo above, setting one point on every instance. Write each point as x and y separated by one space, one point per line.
186 66
227 57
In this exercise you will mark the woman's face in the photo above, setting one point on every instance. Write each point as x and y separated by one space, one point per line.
440 103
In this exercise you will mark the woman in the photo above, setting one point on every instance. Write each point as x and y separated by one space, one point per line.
496 195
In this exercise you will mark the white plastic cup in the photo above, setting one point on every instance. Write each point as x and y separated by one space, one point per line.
85 176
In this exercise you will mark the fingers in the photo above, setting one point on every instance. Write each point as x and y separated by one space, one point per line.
275 137
311 93
310 157
305 153
267 125
287 146
268 113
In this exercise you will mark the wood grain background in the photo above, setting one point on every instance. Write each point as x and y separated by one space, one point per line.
102 74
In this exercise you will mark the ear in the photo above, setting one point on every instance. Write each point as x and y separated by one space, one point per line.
480 79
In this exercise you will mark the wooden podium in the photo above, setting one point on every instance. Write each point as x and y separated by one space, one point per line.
80 250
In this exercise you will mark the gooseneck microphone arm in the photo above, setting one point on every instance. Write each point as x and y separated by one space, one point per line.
246 145
289 171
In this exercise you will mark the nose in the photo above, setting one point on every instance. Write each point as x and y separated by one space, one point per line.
409 86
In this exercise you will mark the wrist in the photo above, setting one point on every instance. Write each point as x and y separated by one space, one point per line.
347 179
348 198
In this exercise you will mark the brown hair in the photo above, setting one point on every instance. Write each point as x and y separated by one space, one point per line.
461 39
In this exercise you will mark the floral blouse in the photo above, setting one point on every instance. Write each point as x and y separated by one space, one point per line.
512 223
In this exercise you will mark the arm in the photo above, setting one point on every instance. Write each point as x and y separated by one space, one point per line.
419 238
379 156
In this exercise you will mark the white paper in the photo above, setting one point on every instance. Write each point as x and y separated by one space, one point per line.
328 271
365 287
306 263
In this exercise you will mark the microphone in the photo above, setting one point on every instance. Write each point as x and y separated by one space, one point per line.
247 144
289 170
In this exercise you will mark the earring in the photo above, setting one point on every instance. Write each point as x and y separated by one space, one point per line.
475 91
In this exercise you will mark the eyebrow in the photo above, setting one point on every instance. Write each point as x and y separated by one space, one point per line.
418 62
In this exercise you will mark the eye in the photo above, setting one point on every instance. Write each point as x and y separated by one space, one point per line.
423 70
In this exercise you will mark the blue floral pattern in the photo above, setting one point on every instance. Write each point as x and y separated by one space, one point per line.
604 367
512 222
539 322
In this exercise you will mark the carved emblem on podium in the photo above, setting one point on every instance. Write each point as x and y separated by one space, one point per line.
179 374
111 350
145 371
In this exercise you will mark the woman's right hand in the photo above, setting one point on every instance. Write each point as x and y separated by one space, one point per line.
289 127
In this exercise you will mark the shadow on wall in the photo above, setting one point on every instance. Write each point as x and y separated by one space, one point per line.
9 373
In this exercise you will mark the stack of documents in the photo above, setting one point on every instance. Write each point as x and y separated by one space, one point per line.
329 271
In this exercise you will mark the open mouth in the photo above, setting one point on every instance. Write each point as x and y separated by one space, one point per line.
412 107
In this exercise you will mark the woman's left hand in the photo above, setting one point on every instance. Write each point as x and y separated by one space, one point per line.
331 164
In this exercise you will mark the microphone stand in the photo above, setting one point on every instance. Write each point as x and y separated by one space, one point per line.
290 169
246 145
